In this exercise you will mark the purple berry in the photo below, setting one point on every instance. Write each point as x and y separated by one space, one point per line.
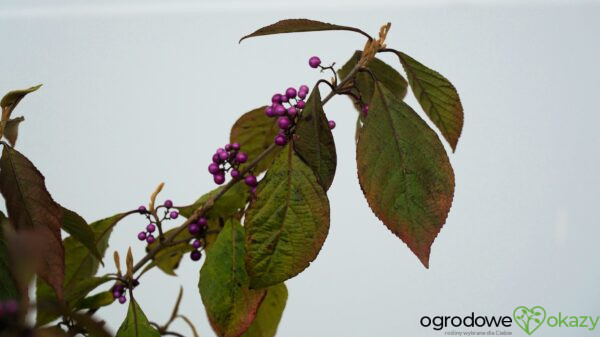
142 209
228 147
241 157
280 110
223 155
142 236
269 111
253 190
331 124
213 168
314 61
216 159
302 94
284 123
250 180
365 109
284 99
168 203
151 228
116 294
193 228
292 112
202 221
195 255
276 98
280 140
236 146
197 244
235 173
122 300
303 88
173 215
291 93
300 105
219 178
150 239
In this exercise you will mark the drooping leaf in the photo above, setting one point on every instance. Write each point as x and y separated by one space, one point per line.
269 313
81 266
96 301
299 25
256 132
288 223
404 172
34 215
224 284
8 285
79 229
314 141
437 97
136 323
11 130
12 98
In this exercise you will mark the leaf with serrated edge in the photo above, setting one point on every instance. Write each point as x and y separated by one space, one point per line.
297 26
437 96
404 172
313 140
79 229
269 313
288 223
224 284
136 323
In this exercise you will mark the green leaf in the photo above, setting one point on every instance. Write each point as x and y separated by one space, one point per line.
229 204
314 142
224 284
12 98
168 258
299 25
437 97
136 324
383 73
288 223
81 266
34 215
8 285
11 130
78 228
255 132
404 172
96 301
269 313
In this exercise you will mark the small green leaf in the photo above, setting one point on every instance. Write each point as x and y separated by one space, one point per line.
34 214
288 223
136 323
404 172
314 142
255 132
269 313
8 285
229 204
96 301
299 25
536 320
437 97
79 229
12 98
230 305
11 130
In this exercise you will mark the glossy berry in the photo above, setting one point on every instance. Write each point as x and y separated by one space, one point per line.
303 88
151 228
150 239
168 203
196 244
292 112
365 109
300 105
195 255
216 159
228 147
284 123
219 178
291 93
202 221
269 111
236 146
331 124
284 99
235 173
142 209
280 140
250 180
241 157
279 110
276 98
116 294
122 299
142 236
302 94
193 228
314 61
213 168
223 155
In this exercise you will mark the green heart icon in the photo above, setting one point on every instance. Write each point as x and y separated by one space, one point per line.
529 319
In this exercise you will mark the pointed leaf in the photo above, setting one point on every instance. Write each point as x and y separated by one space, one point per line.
34 215
229 204
314 142
78 228
136 323
12 98
11 130
300 25
255 132
224 284
437 97
269 313
96 301
404 172
288 223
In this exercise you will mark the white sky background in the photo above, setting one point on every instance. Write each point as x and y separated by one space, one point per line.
135 94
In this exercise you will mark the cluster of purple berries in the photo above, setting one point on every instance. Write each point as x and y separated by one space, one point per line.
8 308
287 115
228 159
118 293
148 234
198 230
